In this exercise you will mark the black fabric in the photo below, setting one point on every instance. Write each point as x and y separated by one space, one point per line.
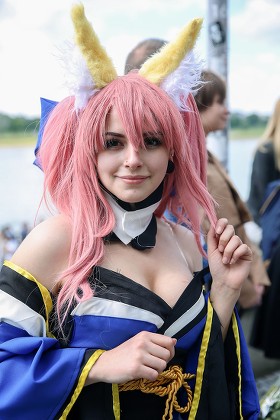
28 292
265 334
215 403
97 399
152 406
263 171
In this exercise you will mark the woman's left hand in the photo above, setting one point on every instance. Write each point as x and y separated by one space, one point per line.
229 261
229 258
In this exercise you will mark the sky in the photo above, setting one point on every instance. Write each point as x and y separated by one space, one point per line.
33 32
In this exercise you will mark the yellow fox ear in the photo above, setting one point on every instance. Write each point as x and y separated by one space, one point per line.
169 58
98 62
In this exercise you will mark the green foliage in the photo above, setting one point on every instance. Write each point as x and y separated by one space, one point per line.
18 124
242 121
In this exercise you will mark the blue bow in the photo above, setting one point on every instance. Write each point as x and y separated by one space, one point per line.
46 107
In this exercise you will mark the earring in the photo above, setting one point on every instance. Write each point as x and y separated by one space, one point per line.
170 167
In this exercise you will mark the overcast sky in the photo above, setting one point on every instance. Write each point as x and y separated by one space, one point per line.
32 31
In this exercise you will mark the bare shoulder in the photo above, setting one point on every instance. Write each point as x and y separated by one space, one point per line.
44 252
188 245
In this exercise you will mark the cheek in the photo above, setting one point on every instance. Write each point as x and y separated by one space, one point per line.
102 166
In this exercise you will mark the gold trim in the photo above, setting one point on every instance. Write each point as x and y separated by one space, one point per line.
116 401
81 382
44 291
235 330
201 361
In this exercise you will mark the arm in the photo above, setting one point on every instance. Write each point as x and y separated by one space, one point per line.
32 361
229 261
45 253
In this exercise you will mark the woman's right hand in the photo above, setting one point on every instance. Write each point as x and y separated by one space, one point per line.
143 356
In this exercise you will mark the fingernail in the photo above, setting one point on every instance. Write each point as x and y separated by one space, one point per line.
225 260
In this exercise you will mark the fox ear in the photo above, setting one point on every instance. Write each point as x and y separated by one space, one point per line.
98 62
174 67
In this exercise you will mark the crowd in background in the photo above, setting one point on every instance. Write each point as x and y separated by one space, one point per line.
10 238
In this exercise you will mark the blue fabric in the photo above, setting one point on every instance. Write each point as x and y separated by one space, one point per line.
106 332
270 220
30 369
250 399
47 106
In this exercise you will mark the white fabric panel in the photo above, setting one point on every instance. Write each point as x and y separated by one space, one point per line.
104 307
186 318
16 313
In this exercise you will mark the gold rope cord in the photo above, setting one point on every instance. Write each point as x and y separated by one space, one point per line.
167 384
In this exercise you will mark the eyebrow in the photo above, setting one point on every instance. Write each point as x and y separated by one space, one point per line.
146 134
111 133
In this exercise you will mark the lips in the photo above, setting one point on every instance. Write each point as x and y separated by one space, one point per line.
136 179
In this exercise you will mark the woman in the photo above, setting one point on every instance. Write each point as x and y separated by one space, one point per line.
103 310
210 100
266 163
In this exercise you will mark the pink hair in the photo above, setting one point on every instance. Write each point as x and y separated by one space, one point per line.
68 155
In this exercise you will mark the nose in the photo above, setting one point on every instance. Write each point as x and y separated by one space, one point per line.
132 158
227 112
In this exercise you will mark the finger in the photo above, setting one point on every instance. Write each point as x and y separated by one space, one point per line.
164 347
160 352
214 234
221 225
155 363
241 252
230 248
225 237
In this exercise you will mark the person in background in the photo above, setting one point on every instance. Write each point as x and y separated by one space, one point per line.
210 101
141 52
265 182
266 163
103 310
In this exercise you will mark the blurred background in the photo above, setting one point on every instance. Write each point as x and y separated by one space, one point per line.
33 34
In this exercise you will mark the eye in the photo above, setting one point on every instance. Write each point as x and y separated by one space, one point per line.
112 144
152 142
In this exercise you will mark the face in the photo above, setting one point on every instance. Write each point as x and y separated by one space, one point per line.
131 175
215 117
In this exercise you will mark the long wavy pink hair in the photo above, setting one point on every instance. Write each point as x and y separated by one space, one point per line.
68 156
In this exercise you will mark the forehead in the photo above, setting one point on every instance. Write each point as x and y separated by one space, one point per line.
113 122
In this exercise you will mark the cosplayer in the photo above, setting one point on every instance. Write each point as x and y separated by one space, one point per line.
103 310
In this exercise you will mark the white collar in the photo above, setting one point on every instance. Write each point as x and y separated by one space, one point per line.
130 224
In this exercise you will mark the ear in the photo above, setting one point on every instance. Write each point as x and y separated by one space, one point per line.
174 68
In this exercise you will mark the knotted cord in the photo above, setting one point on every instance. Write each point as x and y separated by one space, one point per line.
167 384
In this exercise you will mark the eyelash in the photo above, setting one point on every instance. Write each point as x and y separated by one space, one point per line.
150 143
112 144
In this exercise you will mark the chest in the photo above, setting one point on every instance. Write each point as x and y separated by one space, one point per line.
162 270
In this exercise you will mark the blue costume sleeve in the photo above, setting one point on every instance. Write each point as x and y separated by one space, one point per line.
39 379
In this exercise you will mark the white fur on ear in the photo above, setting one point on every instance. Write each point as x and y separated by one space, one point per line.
78 79
184 80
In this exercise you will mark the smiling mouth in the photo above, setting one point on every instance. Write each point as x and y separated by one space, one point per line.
133 179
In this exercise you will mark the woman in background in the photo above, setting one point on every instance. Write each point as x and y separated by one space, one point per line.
210 100
266 163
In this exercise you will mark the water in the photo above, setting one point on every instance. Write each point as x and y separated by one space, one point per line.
21 181
20 187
